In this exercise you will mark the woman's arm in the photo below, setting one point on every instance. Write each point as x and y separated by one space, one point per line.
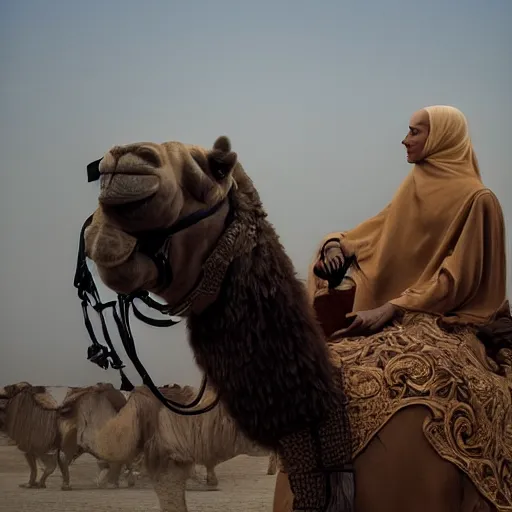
342 243
471 281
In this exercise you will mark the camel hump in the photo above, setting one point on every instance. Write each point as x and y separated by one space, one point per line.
31 420
116 398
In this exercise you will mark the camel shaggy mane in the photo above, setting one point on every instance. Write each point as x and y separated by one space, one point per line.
260 336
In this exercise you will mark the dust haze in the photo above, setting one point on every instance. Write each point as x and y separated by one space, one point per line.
315 98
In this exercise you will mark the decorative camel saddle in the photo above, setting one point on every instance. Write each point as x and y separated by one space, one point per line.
254 333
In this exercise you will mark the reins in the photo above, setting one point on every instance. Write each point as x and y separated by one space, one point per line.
334 279
153 244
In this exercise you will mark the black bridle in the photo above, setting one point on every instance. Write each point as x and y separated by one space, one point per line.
153 244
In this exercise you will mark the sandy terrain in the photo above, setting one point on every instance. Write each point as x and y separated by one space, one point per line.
243 486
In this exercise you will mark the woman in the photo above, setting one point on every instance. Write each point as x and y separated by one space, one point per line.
437 248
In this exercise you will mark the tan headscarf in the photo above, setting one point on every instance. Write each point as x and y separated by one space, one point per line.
439 246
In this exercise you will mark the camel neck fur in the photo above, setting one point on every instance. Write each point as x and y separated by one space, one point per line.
259 342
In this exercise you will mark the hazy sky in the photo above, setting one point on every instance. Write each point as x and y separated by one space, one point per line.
315 96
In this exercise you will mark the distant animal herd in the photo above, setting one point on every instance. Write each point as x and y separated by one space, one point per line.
131 434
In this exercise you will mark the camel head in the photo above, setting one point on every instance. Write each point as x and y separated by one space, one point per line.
147 188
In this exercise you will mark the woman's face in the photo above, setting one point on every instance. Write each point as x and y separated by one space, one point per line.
414 142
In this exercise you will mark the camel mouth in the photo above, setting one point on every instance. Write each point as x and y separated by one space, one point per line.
129 191
129 209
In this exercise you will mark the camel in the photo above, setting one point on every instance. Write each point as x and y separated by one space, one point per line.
86 410
31 421
171 442
328 407
187 393
32 417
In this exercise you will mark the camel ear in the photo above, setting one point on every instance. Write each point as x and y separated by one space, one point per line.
221 160
222 144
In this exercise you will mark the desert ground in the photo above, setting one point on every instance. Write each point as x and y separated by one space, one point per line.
243 485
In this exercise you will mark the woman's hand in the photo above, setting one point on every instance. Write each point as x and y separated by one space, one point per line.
333 260
368 322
